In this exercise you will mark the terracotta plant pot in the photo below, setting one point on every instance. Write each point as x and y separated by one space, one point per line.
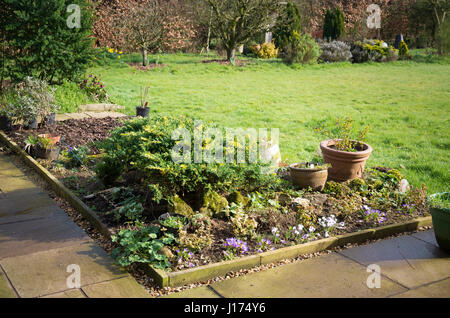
344 165
304 177
54 139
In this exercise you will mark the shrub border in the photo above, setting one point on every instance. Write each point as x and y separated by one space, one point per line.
206 272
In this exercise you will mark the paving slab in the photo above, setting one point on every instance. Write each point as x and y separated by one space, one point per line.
105 114
21 201
6 291
200 292
29 214
7 167
435 290
72 293
43 234
16 183
45 273
307 278
100 107
406 260
77 115
62 117
427 236
126 287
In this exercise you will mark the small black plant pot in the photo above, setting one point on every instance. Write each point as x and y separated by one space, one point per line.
51 120
32 125
5 123
142 111
172 230
47 154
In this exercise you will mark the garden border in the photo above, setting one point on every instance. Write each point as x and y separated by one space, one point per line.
206 272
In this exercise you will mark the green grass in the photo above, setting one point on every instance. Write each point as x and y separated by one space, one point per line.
407 103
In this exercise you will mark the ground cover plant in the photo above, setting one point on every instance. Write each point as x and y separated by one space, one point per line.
230 210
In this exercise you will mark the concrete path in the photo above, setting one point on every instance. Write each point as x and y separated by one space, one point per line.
410 266
89 114
38 243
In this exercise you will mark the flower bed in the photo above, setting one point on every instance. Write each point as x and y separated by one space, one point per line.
228 218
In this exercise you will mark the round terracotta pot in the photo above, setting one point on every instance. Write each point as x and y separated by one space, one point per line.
344 165
305 178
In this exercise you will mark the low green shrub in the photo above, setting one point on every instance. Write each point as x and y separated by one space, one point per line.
145 146
301 49
373 51
94 88
142 246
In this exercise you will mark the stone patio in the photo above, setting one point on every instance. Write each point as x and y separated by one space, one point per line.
411 266
38 241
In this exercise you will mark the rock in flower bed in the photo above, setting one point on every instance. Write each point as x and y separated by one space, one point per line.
232 210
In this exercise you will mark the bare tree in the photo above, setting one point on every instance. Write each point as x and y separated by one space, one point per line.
236 21
143 25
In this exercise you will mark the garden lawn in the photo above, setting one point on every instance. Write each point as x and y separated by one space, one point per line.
407 104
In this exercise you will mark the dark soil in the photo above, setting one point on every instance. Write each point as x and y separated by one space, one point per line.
226 62
150 66
73 132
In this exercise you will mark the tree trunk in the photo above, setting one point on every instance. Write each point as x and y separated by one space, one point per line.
144 56
231 54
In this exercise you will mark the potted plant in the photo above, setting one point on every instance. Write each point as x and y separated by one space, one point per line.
173 222
440 213
346 155
42 147
6 116
309 175
34 99
143 110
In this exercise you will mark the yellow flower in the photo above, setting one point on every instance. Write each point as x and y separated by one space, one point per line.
111 50
120 52
116 50
118 57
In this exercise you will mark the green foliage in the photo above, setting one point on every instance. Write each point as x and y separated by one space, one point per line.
334 24
33 99
244 226
373 50
335 188
301 49
94 88
77 156
130 211
403 50
344 135
174 222
69 96
200 237
267 51
142 246
146 145
440 200
288 21
43 45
